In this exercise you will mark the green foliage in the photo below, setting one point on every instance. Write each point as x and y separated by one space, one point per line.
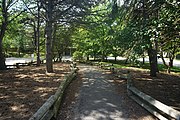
96 39
17 39
169 28
62 39
127 30
158 21
122 64
77 55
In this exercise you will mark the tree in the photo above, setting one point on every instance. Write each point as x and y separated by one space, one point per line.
169 42
154 24
139 15
61 40
95 36
61 12
7 8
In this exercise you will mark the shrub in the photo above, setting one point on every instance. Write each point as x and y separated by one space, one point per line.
77 55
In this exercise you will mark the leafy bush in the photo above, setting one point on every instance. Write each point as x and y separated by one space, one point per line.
77 55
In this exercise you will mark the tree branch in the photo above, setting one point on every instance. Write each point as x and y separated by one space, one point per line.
16 16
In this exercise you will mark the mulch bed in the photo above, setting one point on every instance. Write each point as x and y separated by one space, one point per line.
165 87
24 90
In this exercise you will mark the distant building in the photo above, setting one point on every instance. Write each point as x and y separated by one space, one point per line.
178 56
69 51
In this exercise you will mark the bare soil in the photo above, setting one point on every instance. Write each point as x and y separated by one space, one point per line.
24 90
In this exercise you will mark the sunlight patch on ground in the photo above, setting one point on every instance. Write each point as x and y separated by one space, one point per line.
17 83
37 75
39 80
4 86
57 80
24 90
4 97
50 74
21 76
110 80
138 69
14 108
43 89
146 79
44 94
18 108
21 96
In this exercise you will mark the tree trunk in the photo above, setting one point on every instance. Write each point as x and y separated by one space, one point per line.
162 57
38 37
152 53
2 58
49 63
59 57
2 33
54 39
115 58
164 62
171 62
143 60
172 56
19 52
153 61
87 58
155 54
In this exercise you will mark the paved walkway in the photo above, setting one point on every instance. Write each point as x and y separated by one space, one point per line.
99 99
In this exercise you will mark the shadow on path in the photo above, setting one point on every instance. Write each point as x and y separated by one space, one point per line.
101 97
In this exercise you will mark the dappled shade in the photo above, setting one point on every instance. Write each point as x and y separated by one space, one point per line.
23 91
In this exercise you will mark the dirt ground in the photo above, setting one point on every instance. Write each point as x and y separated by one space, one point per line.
24 90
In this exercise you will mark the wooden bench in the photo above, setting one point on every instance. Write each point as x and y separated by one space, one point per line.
17 65
24 64
107 66
122 73
95 63
13 66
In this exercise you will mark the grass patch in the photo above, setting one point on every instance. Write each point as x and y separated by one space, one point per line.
115 65
123 64
161 67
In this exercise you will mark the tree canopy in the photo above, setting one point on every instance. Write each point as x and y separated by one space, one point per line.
93 28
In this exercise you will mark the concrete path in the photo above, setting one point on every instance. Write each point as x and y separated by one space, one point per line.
99 99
